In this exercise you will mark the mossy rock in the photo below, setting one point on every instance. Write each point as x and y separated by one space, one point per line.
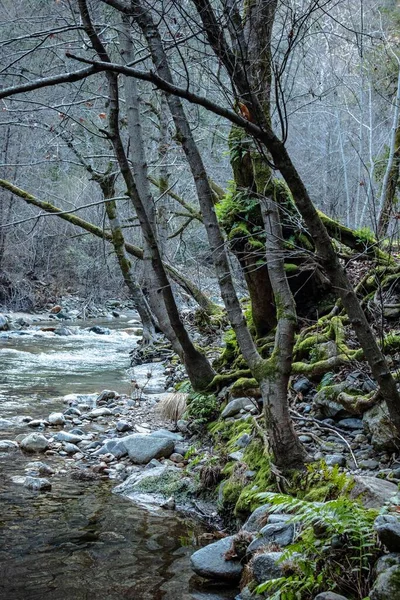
245 387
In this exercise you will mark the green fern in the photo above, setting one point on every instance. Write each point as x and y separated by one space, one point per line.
335 549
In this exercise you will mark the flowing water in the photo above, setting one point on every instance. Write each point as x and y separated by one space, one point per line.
79 541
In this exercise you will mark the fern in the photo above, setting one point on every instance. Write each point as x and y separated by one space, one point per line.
335 550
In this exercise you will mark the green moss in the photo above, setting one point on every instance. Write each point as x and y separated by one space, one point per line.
244 385
291 268
168 484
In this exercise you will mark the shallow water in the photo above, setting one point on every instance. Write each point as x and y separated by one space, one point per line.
79 541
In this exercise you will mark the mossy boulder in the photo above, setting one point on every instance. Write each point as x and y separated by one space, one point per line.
378 424
387 586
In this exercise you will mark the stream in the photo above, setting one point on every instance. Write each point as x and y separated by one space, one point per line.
79 541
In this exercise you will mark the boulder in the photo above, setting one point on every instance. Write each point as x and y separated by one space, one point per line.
387 561
106 395
7 446
387 586
37 484
3 323
100 330
335 459
210 562
325 400
377 422
274 533
165 433
99 412
132 484
113 446
302 386
142 448
350 424
257 519
266 566
56 418
34 442
388 530
234 407
372 492
67 436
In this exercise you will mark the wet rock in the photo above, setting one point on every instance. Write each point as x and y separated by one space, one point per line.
5 423
388 530
34 442
142 448
335 459
266 566
64 331
176 437
123 426
70 448
387 586
234 407
37 484
37 423
106 395
274 533
99 412
238 455
68 436
210 562
386 562
4 325
56 419
329 596
257 519
368 464
114 446
373 492
7 446
302 386
377 422
100 330
55 309
73 411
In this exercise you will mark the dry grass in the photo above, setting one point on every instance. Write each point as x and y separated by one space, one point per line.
172 406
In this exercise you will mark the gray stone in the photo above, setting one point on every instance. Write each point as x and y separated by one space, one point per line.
387 561
243 441
387 586
302 385
123 426
335 459
372 492
142 448
278 518
368 464
377 422
62 331
37 484
132 484
266 566
177 458
68 436
34 442
210 562
257 519
39 468
5 423
165 433
274 533
3 323
388 530
106 395
113 446
238 455
70 448
37 423
329 596
350 424
99 330
234 407
73 411
56 418
7 446
99 412
182 425
325 400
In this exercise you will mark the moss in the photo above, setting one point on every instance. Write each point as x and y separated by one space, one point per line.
291 268
244 386
168 484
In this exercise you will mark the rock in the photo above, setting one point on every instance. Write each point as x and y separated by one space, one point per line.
377 422
5 423
243 441
55 309
387 586
56 419
37 484
34 442
177 458
39 468
274 533
133 484
210 562
123 426
335 459
142 448
359 381
4 326
99 412
266 566
170 504
325 400
372 492
234 407
106 395
73 411
182 425
37 423
302 386
70 448
67 436
386 561
388 530
114 446
350 424
165 433
62 331
7 446
329 596
238 455
257 519
368 464
100 330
